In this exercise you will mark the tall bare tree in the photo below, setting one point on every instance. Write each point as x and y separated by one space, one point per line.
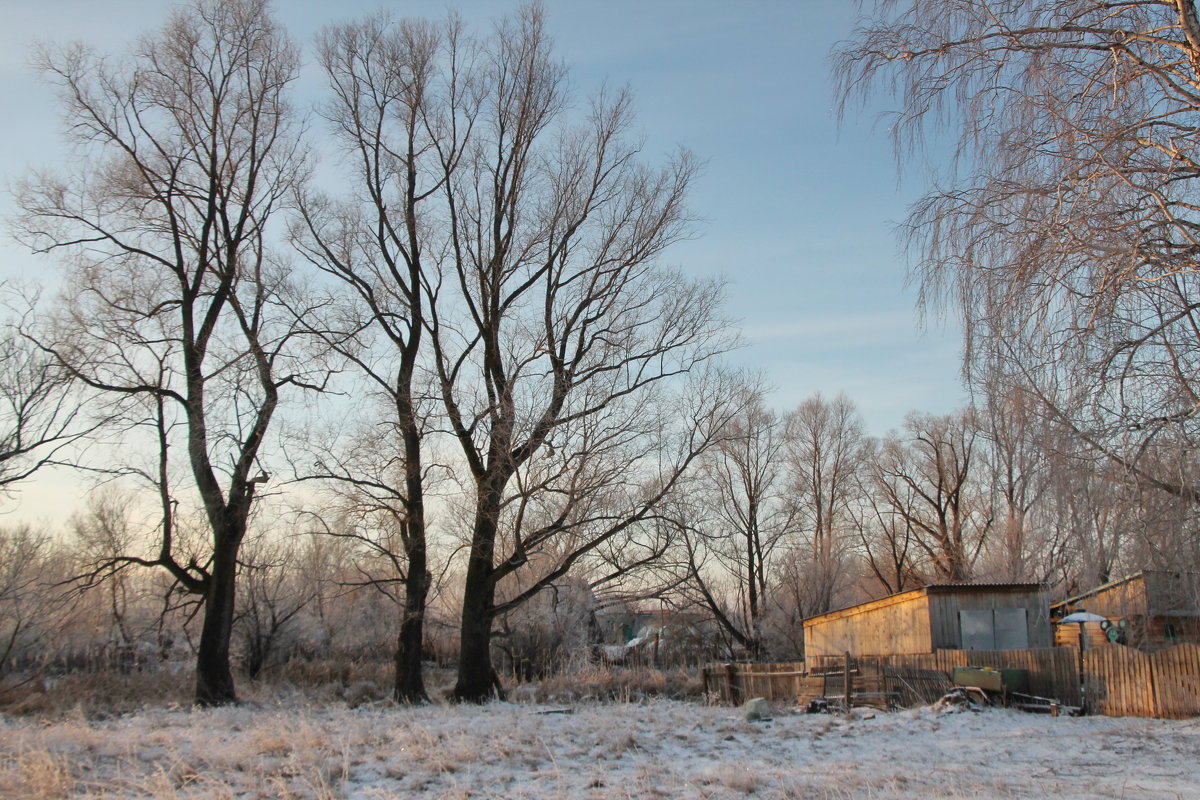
926 479
735 521
560 345
188 149
1066 232
826 457
396 94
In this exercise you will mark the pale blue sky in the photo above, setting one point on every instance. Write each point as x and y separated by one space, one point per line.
799 214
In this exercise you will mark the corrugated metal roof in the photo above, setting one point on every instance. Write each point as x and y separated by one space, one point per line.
992 586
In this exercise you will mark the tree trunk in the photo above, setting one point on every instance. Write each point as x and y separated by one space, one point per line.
214 678
410 684
477 679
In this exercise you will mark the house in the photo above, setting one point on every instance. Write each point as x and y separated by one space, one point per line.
1150 609
1006 616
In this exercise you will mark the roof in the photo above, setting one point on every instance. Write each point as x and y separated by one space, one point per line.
928 589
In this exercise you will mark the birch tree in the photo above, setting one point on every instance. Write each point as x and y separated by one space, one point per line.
1065 231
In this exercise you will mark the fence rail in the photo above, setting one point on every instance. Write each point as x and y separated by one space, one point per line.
1113 680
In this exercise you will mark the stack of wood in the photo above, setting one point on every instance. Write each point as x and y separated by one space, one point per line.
1067 634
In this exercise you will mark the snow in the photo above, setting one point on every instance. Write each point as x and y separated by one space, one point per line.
655 749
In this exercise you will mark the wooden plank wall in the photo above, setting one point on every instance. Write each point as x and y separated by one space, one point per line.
946 630
920 678
1118 682
896 624
773 681
1053 671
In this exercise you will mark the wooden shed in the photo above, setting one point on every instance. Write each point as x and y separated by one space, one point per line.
1150 609
1007 616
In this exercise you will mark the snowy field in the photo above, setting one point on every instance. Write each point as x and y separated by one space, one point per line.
656 749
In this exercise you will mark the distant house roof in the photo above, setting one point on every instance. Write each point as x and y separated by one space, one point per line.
928 589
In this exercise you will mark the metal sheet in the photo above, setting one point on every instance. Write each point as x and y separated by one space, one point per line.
1011 629
977 627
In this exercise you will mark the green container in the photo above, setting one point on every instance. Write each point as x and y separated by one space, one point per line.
992 680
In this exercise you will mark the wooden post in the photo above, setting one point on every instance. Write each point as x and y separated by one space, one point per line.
731 677
846 681
1083 700
704 680
1152 690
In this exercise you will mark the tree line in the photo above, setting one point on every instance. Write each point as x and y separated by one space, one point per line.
450 345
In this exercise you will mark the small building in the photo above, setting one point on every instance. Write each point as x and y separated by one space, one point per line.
965 616
1150 609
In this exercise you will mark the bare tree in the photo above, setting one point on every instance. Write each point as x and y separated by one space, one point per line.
735 519
32 599
1014 464
886 529
560 345
173 307
395 95
1067 232
826 456
275 594
39 415
926 479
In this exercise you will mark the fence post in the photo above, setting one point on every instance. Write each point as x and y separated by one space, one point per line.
1155 706
731 677
846 681
1083 702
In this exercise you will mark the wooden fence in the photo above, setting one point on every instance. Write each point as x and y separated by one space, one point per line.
1053 671
1115 680
1122 682
871 683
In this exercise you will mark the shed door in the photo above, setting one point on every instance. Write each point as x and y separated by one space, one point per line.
1012 633
994 629
978 630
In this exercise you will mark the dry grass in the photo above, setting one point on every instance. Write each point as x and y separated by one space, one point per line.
98 695
95 695
602 683
35 775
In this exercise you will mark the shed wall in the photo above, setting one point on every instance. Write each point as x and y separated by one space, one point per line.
1123 600
944 607
1172 592
878 629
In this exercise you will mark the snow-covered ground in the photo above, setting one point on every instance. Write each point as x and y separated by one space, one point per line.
655 749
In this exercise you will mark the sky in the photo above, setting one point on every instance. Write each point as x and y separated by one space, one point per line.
799 212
